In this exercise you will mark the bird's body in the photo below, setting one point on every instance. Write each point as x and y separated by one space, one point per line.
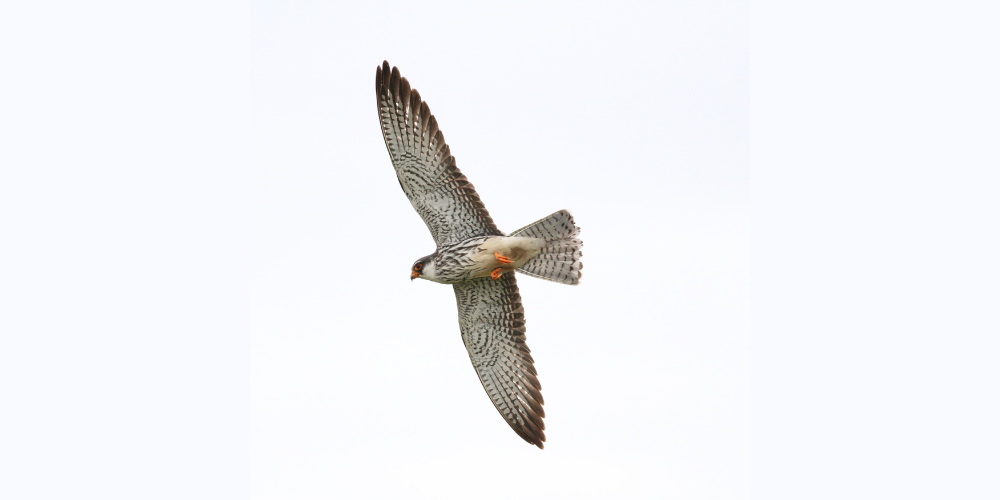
474 256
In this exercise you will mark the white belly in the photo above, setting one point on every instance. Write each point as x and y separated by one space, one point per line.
517 248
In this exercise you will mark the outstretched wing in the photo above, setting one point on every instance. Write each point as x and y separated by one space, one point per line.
444 198
492 322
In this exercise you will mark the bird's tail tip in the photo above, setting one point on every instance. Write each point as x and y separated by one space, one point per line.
559 259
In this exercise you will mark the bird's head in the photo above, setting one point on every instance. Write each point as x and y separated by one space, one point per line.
422 268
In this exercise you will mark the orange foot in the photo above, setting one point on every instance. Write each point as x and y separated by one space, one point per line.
496 273
501 259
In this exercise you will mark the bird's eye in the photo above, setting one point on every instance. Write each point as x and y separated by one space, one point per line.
418 266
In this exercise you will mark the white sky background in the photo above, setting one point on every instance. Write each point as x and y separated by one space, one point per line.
790 225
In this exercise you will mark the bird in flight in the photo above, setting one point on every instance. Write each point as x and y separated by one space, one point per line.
475 257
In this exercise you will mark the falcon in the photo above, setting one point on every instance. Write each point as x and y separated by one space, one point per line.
475 257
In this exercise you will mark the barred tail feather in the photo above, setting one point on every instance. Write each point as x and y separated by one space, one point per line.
559 259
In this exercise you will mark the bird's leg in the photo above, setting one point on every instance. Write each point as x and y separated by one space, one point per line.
501 259
496 273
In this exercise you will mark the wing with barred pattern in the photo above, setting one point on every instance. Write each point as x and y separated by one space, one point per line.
492 322
444 198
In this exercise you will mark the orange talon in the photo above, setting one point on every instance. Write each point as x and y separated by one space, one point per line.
501 259
496 273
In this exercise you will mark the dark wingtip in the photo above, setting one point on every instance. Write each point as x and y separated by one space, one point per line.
404 90
381 77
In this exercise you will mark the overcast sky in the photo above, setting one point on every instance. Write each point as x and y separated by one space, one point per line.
790 218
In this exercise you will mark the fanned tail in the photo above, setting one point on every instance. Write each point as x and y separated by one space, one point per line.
559 259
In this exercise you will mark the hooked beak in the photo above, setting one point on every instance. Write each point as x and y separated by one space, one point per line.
413 275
